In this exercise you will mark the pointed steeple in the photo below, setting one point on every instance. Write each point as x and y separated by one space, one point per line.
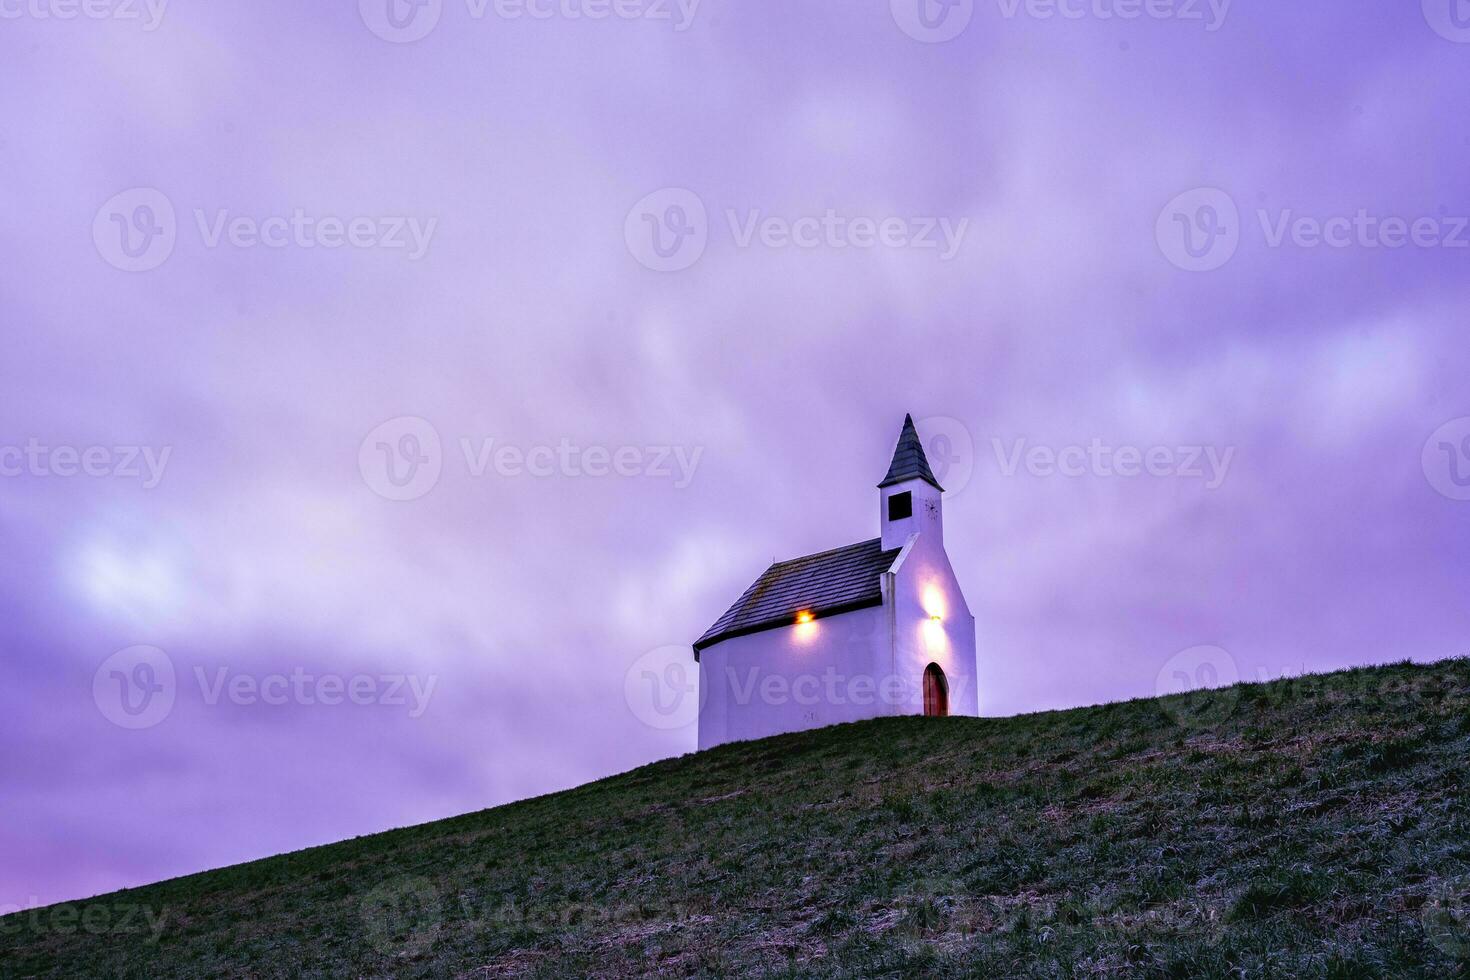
909 461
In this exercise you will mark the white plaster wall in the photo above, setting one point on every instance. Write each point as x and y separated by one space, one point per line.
925 586
825 672
928 516
857 665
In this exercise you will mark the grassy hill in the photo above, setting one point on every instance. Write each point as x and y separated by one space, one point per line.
1316 827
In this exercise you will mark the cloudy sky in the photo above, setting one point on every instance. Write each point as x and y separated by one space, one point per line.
385 389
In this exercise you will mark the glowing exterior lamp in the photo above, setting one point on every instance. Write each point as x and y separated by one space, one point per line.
935 640
932 599
806 626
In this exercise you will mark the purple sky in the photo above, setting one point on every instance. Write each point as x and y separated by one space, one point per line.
525 151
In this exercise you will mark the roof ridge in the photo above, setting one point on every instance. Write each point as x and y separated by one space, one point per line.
829 551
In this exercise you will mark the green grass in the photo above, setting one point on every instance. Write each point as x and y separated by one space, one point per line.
1317 827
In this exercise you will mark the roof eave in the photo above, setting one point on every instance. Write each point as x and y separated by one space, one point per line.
905 479
704 643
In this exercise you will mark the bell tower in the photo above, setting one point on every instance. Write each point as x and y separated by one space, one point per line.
910 498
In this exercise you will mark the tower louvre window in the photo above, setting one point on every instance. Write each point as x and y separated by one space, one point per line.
901 505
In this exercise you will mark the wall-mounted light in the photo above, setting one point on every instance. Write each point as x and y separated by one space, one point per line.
932 599
806 626
936 643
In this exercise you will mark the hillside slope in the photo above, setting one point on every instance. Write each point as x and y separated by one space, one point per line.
1312 827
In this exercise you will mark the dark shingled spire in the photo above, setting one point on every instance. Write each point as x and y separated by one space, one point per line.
909 461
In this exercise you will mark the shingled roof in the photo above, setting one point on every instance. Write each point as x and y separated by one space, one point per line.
909 461
823 584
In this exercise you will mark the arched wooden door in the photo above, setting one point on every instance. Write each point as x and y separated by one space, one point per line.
936 692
